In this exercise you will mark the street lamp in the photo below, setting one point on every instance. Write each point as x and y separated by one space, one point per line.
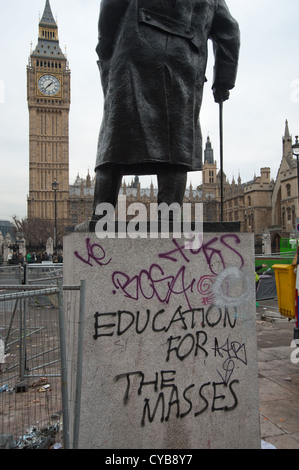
55 187
295 148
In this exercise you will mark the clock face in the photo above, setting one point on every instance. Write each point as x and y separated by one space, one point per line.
48 85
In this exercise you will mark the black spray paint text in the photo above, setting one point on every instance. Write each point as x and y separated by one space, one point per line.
178 346
171 401
124 320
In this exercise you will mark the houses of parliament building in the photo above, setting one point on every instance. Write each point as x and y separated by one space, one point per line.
265 206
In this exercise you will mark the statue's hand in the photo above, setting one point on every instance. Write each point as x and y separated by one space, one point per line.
220 94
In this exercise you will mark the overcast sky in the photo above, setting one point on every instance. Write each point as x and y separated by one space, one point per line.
266 92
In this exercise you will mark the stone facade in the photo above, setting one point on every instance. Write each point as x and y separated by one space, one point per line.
81 200
285 193
168 347
48 94
265 206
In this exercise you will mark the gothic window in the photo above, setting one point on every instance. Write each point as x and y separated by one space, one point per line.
289 214
250 220
283 216
288 190
249 201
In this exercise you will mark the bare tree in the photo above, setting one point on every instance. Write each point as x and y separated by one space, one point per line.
37 231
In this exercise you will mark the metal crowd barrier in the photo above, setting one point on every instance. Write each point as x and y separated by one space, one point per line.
34 387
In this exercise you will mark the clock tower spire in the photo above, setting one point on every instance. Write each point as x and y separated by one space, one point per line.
48 18
48 95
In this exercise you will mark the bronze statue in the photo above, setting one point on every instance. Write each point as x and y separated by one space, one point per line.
152 60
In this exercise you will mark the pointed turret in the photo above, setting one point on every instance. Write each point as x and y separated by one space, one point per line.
287 141
48 18
287 132
190 190
152 190
209 153
48 42
88 180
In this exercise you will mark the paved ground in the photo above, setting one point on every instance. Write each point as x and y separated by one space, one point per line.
278 377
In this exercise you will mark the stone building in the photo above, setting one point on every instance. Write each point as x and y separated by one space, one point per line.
257 202
265 206
285 207
210 187
81 199
285 194
48 94
82 190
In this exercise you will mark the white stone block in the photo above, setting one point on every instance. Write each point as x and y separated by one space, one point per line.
170 347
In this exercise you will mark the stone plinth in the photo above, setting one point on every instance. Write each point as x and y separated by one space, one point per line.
170 348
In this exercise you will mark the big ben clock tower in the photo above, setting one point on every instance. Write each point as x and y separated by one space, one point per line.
48 94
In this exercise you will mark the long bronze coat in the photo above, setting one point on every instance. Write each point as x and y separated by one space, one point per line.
152 59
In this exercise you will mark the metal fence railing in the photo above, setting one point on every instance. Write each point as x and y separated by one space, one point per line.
34 405
11 274
31 400
49 274
41 273
74 302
